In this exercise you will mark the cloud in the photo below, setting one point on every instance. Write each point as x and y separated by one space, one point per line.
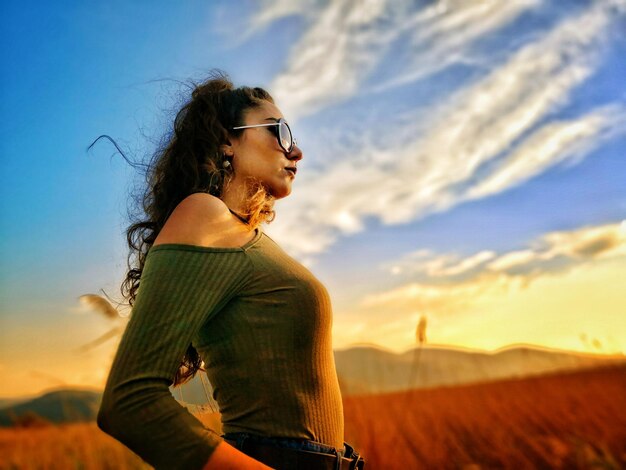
344 43
492 311
557 279
443 35
424 262
550 145
487 137
333 54
570 248
553 252
445 299
274 10
243 28
233 22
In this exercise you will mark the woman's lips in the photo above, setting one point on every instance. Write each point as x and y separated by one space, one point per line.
291 171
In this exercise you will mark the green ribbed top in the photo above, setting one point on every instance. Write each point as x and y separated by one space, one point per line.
262 324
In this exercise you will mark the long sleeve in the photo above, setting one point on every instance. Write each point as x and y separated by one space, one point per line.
182 288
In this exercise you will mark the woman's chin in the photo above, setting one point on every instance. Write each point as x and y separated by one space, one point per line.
280 191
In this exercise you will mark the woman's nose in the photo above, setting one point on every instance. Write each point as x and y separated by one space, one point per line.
295 154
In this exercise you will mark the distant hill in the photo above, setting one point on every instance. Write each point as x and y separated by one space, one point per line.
362 370
4 402
59 406
370 370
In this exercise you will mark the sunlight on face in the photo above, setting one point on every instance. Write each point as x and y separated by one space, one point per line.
257 153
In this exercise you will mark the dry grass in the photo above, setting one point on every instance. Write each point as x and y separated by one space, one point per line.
71 446
568 421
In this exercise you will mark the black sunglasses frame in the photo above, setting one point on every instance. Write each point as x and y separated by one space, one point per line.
278 132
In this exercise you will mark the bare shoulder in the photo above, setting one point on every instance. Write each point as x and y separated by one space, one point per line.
203 220
201 206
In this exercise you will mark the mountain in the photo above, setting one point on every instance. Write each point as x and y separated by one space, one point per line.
59 406
362 370
8 401
370 370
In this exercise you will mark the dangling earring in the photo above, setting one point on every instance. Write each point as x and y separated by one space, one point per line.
226 162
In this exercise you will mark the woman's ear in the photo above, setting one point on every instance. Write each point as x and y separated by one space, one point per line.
227 149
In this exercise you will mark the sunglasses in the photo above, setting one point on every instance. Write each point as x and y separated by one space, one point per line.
282 131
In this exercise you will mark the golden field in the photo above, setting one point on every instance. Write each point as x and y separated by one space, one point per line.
71 446
571 420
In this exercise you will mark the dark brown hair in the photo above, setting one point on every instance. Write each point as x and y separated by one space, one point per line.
188 161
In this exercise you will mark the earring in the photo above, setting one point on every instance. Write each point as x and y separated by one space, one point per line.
226 164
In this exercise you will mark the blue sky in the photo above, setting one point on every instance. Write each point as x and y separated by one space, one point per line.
462 160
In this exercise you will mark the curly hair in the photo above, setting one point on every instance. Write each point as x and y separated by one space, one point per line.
190 160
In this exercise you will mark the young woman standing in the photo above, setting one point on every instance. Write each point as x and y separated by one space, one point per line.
209 286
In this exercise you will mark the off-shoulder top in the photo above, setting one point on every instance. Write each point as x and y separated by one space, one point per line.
260 321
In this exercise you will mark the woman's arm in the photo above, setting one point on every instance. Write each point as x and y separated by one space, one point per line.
180 290
226 457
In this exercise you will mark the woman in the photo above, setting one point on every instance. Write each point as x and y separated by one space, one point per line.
209 286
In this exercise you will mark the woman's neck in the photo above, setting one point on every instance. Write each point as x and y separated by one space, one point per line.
235 197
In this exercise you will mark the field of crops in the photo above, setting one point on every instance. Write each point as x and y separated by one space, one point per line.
568 421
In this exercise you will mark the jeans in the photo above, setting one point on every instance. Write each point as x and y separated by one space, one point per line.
290 443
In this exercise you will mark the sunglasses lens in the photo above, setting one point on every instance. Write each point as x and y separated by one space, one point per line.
284 136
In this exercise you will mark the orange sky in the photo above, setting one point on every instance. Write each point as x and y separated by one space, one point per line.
553 311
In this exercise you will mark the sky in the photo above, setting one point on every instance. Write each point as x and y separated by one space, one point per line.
463 162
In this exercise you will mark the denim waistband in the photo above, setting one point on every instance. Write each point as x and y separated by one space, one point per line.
290 443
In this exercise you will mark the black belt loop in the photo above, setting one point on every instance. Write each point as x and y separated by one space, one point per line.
338 461
355 458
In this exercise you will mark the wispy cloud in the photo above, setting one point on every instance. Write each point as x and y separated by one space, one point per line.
237 26
346 42
444 34
448 276
435 299
273 10
270 11
502 297
492 135
549 145
423 262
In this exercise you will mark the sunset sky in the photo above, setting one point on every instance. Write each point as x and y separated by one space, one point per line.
463 161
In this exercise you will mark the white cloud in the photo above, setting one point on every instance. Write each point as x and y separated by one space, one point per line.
515 258
552 252
486 138
494 282
561 284
464 265
551 144
345 42
333 55
444 33
237 26
445 299
273 10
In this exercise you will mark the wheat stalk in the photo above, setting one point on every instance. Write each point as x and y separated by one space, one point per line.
420 338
